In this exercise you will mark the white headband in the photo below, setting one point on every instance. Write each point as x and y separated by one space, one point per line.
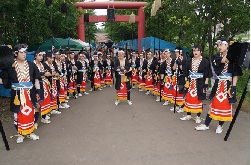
22 49
224 42
176 50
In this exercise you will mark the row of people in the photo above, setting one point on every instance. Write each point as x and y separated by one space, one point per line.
184 83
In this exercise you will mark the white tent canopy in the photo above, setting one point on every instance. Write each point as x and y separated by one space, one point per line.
85 44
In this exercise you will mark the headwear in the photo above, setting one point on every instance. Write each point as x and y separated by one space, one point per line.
108 55
100 53
56 52
39 52
121 51
20 47
95 54
141 54
167 50
222 40
72 53
149 53
48 55
81 55
178 49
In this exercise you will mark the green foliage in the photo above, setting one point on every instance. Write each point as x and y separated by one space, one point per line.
196 24
29 21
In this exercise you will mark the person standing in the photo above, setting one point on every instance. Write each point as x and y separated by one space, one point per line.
122 85
23 79
197 71
109 67
223 93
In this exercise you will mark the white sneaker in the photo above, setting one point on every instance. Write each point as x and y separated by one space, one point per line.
187 117
90 90
148 92
45 121
116 102
80 95
110 85
157 99
166 103
36 125
219 129
100 89
47 117
66 101
20 139
176 108
61 106
201 127
67 98
180 110
104 86
197 120
133 87
54 112
141 90
86 93
32 136
66 105
129 102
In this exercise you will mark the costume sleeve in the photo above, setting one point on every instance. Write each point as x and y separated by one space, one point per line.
36 73
127 65
216 59
208 70
235 69
187 67
5 78
162 68
78 65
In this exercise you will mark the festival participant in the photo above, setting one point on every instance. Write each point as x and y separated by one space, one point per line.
197 70
95 74
122 85
64 73
223 93
45 106
158 89
101 70
71 75
109 67
142 72
23 79
52 77
178 80
149 74
134 67
166 77
81 74
61 90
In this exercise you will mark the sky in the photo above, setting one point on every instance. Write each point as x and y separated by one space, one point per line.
100 12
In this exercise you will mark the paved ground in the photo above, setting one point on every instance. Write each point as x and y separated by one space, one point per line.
96 132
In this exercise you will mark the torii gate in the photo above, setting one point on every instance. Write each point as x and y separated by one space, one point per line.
140 18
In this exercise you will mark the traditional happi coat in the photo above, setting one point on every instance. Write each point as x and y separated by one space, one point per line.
95 76
197 74
102 78
71 76
142 73
149 75
108 74
23 94
53 81
221 108
135 75
178 81
166 69
156 86
81 74
122 84
61 67
45 106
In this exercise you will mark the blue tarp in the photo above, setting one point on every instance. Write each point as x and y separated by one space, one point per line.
148 43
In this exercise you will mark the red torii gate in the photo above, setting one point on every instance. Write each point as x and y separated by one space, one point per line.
140 18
